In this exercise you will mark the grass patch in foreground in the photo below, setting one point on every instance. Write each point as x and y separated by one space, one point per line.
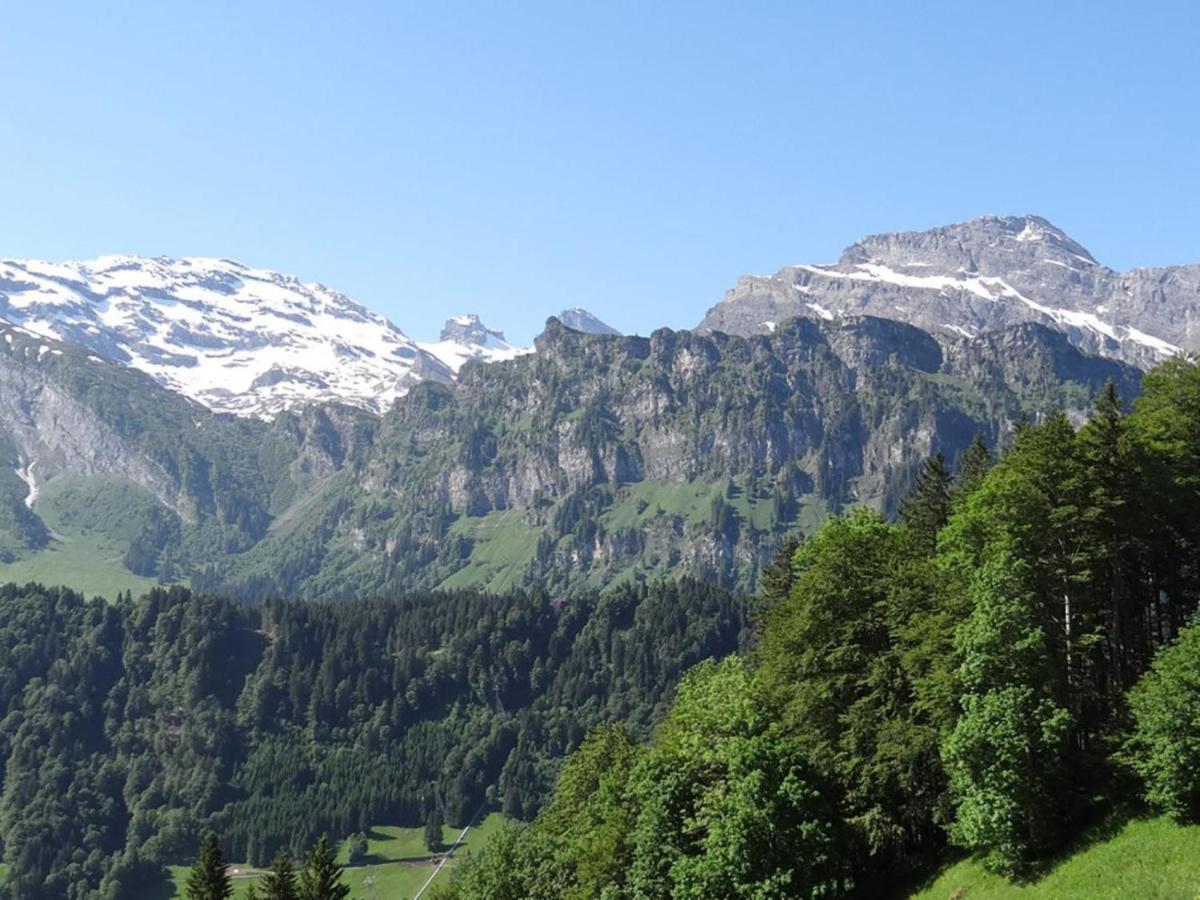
1154 859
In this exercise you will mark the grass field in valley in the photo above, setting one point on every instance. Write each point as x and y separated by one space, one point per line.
1143 859
91 522
87 563
397 861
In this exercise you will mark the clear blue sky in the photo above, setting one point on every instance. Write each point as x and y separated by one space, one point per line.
514 158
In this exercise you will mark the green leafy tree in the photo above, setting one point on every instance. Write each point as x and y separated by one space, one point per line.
1005 757
589 818
356 847
209 878
1164 746
320 878
726 810
854 663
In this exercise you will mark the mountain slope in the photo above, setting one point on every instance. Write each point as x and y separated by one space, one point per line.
596 459
237 339
99 458
977 276
600 459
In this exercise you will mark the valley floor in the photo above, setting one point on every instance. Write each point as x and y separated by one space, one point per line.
1153 859
397 864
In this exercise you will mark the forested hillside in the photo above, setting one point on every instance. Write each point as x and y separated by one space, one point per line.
1000 668
127 729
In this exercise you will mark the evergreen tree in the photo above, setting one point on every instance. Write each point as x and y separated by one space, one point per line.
320 879
280 881
778 577
973 465
433 829
209 878
927 507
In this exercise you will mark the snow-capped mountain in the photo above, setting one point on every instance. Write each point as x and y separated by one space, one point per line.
578 319
236 339
961 280
465 338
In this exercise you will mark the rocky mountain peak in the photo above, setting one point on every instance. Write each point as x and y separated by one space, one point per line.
579 319
235 338
465 338
988 273
469 330
988 244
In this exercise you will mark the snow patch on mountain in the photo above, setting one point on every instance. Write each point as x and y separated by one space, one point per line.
237 339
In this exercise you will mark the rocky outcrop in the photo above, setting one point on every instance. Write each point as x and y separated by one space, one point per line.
603 457
978 276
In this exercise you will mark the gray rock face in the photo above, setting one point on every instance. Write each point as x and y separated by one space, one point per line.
977 276
578 319
601 458
471 331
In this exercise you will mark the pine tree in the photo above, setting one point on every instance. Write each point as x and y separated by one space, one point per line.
778 577
209 878
927 508
280 882
973 465
320 879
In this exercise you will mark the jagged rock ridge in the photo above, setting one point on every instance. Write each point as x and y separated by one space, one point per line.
977 276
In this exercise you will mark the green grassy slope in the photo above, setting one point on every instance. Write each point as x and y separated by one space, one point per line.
89 564
1153 859
92 522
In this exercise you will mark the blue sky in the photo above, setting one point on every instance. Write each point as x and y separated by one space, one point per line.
515 158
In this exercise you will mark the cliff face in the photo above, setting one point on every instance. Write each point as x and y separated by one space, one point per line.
602 457
986 274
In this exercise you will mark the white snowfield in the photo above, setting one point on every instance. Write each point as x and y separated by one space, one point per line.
234 338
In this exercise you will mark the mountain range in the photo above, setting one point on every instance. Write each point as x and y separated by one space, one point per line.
238 339
360 462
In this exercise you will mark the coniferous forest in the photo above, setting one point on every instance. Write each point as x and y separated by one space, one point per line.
130 729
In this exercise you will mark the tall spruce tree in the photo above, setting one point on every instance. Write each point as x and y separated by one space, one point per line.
320 879
433 829
927 508
778 577
280 881
209 878
973 465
